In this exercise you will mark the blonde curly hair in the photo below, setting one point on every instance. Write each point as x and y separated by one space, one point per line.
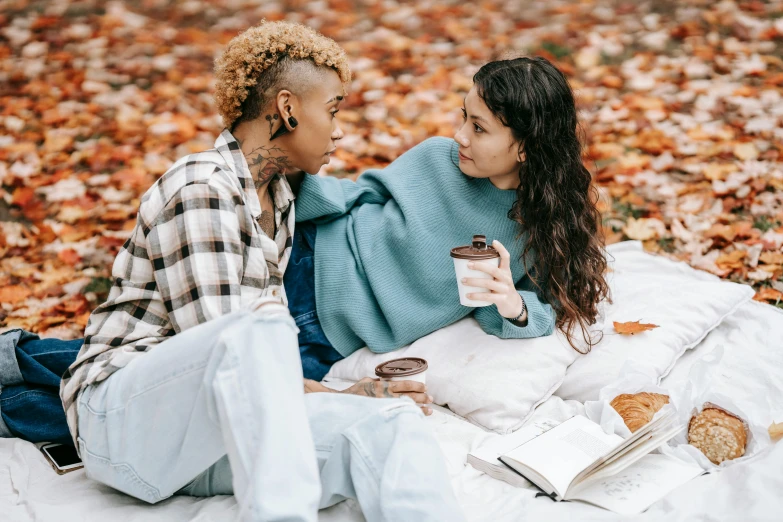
261 60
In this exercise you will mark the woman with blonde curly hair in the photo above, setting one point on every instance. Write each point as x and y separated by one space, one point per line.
189 380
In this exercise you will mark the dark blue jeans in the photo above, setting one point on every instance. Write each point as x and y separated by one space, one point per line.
317 353
32 409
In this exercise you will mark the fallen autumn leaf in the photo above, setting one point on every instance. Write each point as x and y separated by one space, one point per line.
633 327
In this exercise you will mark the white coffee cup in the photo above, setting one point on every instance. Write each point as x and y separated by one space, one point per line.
477 252
419 377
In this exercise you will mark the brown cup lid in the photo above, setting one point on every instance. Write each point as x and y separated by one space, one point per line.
477 250
401 367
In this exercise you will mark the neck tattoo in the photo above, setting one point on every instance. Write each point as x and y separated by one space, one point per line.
271 119
265 163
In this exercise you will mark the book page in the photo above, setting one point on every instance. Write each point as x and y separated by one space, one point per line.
497 446
561 453
632 454
661 422
638 486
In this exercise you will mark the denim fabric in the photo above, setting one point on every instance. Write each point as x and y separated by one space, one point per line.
379 451
9 369
226 397
317 353
32 409
231 386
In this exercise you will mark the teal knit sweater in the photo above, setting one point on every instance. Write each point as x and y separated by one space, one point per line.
383 273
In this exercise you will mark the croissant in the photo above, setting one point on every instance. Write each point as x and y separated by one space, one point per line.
776 431
718 434
637 409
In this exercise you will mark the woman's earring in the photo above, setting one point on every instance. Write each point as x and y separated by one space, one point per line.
283 129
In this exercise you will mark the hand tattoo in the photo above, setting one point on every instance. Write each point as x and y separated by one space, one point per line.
369 389
386 392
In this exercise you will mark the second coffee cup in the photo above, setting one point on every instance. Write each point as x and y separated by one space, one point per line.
405 369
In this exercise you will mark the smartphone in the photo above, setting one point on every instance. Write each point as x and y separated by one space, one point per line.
62 458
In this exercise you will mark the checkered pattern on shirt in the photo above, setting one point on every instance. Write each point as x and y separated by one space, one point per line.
197 252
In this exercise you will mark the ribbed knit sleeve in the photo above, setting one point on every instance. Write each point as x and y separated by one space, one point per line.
323 198
540 319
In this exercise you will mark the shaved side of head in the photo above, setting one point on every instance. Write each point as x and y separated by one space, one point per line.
297 76
271 56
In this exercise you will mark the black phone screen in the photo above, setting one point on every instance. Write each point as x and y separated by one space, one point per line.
63 455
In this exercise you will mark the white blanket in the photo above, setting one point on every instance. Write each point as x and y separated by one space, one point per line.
752 368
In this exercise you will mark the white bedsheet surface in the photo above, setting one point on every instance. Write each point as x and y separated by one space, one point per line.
752 369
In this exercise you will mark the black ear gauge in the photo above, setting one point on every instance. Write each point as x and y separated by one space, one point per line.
283 129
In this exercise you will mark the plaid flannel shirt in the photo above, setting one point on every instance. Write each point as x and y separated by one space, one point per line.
197 252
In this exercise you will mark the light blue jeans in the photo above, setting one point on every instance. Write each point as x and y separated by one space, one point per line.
220 409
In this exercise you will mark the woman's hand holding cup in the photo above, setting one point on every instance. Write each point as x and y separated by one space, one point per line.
380 388
500 288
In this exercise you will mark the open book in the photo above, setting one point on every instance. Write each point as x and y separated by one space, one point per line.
576 460
485 457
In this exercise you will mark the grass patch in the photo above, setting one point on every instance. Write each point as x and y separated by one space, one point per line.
100 286
556 50
628 210
763 223
667 244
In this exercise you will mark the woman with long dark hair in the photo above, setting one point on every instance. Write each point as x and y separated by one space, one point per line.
380 275
556 201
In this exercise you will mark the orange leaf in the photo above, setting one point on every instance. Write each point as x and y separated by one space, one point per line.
719 171
133 178
746 151
653 142
731 261
612 81
56 142
75 306
69 256
13 294
772 258
111 241
46 322
768 294
117 214
632 327
725 232
82 319
22 196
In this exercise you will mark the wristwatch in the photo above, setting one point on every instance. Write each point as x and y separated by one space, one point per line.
524 309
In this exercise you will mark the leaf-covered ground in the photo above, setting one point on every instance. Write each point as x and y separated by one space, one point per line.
681 103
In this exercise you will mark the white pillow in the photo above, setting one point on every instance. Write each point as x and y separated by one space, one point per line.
497 383
684 302
494 383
